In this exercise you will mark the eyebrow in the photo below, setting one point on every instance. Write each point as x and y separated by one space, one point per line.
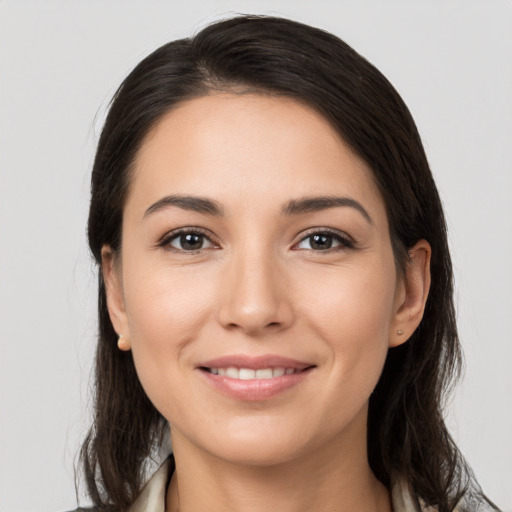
192 203
300 206
315 204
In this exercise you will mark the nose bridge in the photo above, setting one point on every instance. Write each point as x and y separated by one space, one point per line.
254 297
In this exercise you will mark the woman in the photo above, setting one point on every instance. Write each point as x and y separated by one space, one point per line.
275 285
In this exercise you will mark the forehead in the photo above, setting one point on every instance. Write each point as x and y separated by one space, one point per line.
254 148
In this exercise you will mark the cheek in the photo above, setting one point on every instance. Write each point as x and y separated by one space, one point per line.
351 312
351 304
166 308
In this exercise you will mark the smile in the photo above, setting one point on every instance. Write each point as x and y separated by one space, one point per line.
250 374
249 378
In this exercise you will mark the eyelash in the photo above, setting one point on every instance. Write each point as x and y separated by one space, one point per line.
173 235
344 241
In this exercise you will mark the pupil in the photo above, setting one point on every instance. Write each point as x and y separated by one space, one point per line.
191 241
321 242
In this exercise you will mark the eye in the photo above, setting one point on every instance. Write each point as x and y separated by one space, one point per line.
187 240
322 241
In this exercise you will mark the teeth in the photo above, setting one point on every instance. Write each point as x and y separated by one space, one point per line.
264 374
249 374
232 373
246 374
279 372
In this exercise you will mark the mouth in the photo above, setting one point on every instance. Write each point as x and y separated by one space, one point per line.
233 372
254 378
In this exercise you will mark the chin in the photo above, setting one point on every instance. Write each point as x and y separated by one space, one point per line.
257 454
262 443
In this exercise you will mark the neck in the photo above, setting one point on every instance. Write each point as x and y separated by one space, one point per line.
333 477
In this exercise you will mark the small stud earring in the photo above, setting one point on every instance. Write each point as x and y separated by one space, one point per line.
123 344
399 332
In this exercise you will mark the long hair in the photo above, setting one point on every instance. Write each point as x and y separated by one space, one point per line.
406 431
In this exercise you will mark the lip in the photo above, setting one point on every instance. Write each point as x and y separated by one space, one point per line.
255 362
255 389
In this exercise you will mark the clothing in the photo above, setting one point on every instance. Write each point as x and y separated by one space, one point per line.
152 498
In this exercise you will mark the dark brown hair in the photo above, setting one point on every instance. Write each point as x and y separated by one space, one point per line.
406 431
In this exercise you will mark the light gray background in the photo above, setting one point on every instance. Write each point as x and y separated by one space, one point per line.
60 62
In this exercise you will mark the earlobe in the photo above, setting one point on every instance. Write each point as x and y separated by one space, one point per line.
114 292
411 299
123 343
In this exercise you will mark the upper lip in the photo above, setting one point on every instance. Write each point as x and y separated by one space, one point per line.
255 362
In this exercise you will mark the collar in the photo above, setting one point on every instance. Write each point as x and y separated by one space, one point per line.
152 497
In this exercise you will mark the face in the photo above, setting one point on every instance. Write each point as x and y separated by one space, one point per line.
256 282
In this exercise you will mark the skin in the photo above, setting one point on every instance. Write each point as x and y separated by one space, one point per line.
259 285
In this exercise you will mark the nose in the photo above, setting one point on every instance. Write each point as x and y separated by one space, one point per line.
254 296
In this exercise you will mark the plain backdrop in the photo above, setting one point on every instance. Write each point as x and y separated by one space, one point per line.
60 62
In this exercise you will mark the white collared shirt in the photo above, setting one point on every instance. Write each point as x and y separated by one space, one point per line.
152 498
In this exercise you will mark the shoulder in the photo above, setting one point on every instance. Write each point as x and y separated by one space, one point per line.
90 509
404 500
475 502
87 509
152 495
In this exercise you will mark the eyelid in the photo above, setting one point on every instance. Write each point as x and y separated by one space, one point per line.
165 240
346 241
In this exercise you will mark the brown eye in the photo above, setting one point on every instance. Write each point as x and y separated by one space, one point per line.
188 241
323 241
319 242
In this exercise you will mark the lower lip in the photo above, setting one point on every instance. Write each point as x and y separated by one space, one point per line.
254 389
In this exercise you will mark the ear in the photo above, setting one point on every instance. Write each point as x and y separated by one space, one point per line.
411 295
111 271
